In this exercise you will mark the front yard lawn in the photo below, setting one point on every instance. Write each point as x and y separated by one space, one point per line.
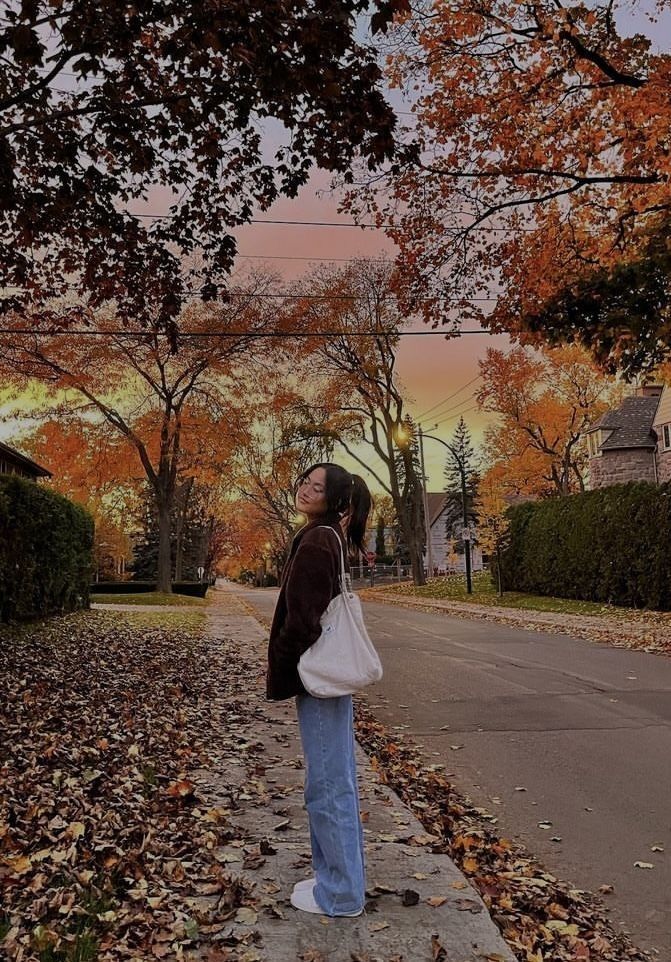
453 588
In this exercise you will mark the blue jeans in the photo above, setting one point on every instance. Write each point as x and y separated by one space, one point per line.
332 801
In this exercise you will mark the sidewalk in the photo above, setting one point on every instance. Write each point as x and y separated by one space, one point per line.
650 631
420 908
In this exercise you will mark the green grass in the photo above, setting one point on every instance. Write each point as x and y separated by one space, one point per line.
189 619
147 598
453 588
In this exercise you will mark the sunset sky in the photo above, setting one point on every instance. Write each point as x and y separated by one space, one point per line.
432 369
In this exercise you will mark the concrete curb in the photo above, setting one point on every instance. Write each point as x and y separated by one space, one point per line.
644 635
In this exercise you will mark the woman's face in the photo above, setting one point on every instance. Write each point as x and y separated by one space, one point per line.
311 494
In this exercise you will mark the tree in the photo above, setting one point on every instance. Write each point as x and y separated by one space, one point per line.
461 485
190 535
359 306
621 314
278 445
493 523
539 153
545 402
96 467
151 396
101 110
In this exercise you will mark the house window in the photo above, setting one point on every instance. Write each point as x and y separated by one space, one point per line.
666 437
593 443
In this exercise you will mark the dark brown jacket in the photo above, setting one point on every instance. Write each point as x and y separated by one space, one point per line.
310 580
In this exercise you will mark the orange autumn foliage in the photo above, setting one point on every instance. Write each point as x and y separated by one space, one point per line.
539 152
545 402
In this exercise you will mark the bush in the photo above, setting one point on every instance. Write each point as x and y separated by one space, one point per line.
45 551
611 545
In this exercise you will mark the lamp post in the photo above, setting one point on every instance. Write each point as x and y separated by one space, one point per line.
466 533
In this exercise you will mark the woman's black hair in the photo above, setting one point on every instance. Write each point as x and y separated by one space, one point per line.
345 492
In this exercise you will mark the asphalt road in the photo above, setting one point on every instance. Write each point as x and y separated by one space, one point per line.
584 729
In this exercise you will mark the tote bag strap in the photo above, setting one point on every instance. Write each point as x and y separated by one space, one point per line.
345 580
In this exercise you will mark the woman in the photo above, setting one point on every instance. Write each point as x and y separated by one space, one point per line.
336 505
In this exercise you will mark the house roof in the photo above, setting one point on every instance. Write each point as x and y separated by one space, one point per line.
630 425
436 501
32 466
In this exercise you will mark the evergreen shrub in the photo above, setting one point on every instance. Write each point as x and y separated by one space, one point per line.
611 545
45 551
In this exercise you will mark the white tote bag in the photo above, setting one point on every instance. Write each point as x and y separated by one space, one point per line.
343 659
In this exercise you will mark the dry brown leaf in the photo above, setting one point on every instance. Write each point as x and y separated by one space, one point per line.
438 950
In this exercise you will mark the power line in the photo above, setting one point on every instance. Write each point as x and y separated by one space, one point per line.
459 414
334 223
449 397
229 334
455 406
294 295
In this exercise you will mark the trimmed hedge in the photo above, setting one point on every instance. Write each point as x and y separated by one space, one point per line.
45 551
611 545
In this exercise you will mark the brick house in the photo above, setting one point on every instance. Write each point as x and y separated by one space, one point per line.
11 462
632 442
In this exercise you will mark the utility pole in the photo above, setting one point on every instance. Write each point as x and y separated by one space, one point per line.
427 521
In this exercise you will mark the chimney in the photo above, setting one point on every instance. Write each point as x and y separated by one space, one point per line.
649 390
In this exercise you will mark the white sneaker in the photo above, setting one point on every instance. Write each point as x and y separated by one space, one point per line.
306 883
304 900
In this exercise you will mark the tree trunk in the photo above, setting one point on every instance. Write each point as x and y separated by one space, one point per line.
498 573
185 494
410 516
164 572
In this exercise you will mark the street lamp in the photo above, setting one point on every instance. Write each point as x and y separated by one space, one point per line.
466 533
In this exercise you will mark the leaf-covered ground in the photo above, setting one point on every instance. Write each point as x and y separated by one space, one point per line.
148 598
105 850
541 918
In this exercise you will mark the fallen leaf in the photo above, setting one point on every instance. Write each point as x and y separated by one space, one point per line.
181 789
468 905
378 926
410 897
246 916
643 865
436 900
438 951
